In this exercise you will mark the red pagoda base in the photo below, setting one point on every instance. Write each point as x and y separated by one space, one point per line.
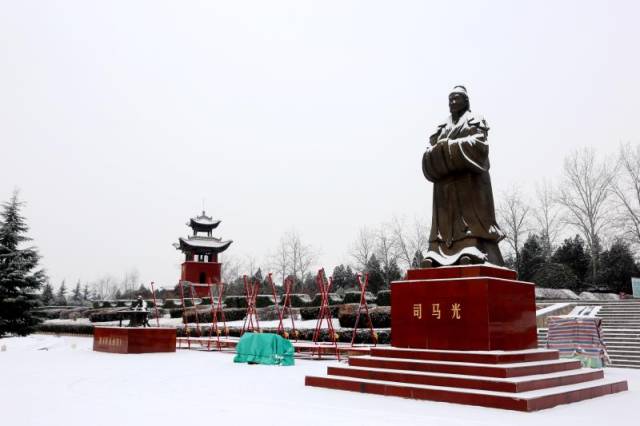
527 380
202 273
131 340
467 335
477 307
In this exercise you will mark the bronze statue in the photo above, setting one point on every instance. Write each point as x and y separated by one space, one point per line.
464 228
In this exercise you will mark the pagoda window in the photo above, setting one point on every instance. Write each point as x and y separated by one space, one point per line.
201 257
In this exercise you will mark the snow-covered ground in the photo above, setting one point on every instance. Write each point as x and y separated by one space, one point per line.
49 381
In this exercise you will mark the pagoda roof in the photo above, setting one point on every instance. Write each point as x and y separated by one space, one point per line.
199 244
203 222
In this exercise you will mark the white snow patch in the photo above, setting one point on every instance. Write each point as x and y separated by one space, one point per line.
46 381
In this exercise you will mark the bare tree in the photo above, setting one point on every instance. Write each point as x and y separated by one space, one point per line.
626 191
363 247
547 215
302 255
513 212
280 260
230 269
409 239
105 287
585 193
385 247
292 256
130 282
250 265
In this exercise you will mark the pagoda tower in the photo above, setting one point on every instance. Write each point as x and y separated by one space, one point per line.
201 253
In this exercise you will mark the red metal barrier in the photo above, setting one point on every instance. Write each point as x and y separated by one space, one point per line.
251 289
155 304
286 307
324 286
275 301
363 306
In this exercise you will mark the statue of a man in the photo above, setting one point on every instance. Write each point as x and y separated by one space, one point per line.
464 228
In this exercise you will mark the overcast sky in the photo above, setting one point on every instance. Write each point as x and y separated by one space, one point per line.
118 118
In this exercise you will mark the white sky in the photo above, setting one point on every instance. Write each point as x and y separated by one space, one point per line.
117 118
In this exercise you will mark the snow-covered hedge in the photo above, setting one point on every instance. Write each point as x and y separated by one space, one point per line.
312 313
354 297
334 299
384 298
299 300
380 316
555 294
65 328
587 295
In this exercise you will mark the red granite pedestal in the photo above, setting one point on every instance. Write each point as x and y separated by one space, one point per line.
467 335
463 308
134 340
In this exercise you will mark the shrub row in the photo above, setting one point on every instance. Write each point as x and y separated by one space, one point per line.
354 297
380 317
313 313
114 314
74 313
384 298
334 299
45 314
62 328
262 301
362 335
230 314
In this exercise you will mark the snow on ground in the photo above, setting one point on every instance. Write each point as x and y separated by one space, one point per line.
48 380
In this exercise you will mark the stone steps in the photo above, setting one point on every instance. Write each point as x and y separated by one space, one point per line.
517 380
623 347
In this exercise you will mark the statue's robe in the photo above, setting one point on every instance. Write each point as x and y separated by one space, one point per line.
463 220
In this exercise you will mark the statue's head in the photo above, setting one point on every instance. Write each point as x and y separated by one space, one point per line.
458 100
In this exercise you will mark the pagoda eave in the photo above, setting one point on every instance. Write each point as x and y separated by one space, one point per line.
202 246
203 226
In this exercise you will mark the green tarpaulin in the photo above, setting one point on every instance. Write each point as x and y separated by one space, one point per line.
264 348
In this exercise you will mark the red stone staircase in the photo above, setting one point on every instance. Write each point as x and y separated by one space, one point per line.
526 380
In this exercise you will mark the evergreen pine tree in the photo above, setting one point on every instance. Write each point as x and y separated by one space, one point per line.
376 277
617 266
19 278
350 279
573 254
339 278
392 273
46 297
146 293
308 286
76 295
85 293
61 298
532 257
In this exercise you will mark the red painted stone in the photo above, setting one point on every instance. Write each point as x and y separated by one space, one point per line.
468 382
461 272
201 272
504 400
129 340
471 309
493 357
486 370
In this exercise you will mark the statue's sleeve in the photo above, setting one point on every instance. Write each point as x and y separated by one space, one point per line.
470 152
467 153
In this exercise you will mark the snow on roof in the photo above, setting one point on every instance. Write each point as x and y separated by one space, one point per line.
203 221
216 244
